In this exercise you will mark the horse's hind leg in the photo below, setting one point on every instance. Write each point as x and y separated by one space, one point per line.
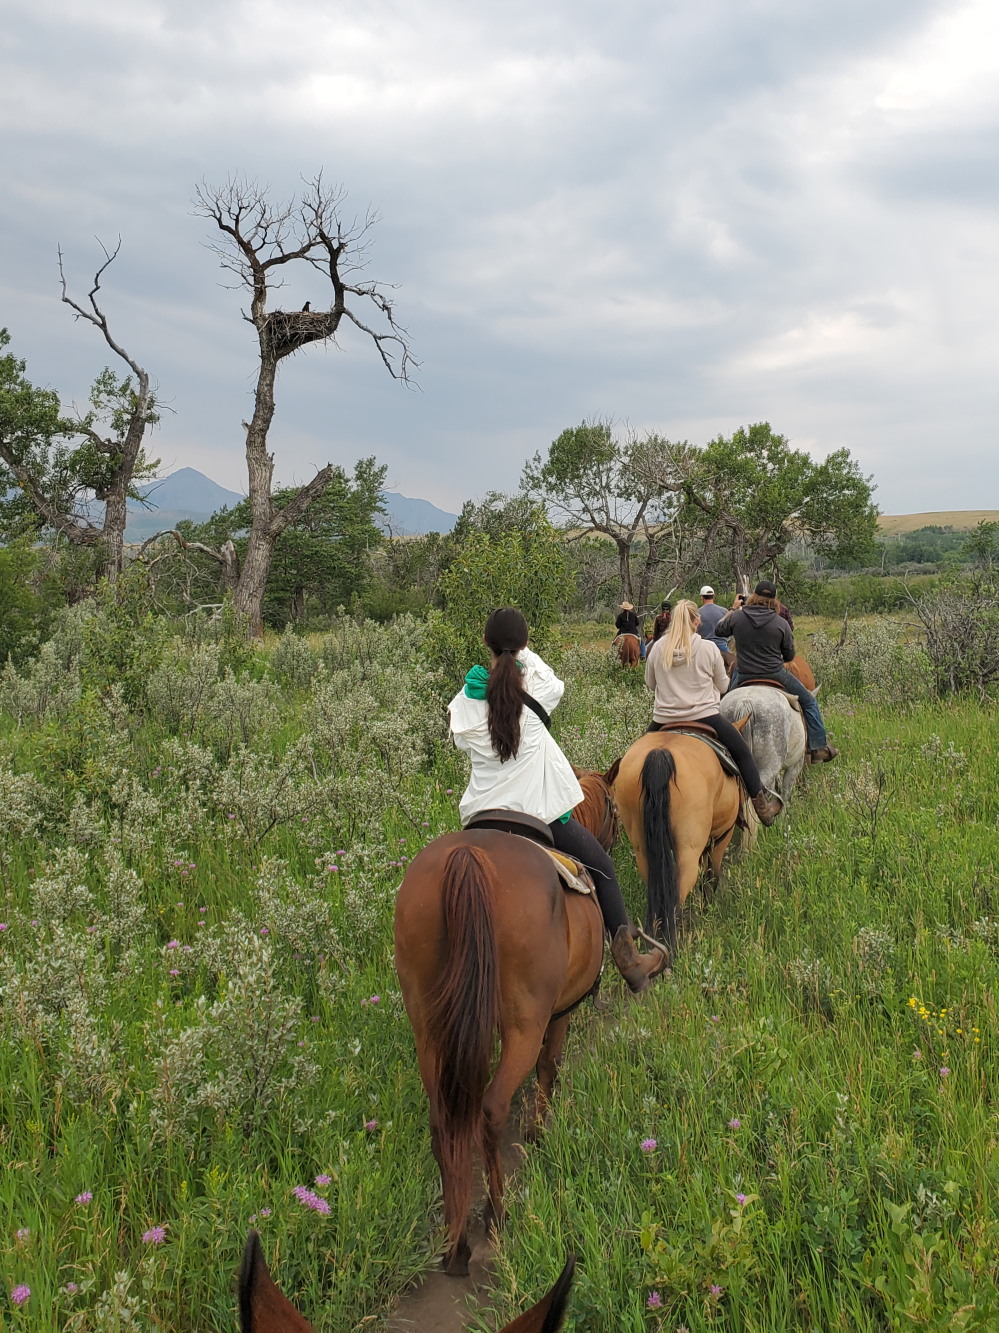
717 856
549 1060
518 1056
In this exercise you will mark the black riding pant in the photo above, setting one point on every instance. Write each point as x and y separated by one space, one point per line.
732 740
579 843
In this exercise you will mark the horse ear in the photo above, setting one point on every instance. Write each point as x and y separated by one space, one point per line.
741 722
611 774
262 1307
547 1316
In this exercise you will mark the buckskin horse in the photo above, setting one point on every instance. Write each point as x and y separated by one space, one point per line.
263 1308
679 807
488 945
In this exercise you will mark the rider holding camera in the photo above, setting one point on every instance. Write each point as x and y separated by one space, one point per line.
764 644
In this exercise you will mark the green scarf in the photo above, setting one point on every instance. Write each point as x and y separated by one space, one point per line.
476 681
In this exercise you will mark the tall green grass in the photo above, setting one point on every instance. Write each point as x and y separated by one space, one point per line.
188 1031
815 1085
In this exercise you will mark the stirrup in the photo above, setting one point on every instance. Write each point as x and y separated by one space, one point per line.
639 933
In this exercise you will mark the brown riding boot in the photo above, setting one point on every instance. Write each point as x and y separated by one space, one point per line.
824 755
766 810
638 969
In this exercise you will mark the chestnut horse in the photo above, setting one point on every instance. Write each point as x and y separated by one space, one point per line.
629 649
798 667
597 811
263 1308
488 945
678 806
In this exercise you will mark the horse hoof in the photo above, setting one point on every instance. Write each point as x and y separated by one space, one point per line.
456 1264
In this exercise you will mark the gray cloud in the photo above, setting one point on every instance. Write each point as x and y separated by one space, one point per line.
689 216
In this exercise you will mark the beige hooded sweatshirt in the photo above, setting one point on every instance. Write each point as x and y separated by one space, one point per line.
690 690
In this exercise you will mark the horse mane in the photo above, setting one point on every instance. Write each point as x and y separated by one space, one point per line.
597 811
463 1014
658 771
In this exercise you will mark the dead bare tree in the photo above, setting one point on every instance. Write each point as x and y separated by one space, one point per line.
63 481
258 238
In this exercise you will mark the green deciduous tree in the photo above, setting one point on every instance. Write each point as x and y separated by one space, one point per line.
526 569
596 483
751 495
319 562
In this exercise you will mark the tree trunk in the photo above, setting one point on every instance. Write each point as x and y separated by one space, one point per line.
248 594
113 538
624 568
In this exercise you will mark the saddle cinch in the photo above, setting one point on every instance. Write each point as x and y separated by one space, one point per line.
572 874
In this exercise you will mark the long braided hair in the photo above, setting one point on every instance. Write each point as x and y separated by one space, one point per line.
505 633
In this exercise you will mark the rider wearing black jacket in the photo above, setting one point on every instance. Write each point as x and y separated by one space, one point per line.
763 643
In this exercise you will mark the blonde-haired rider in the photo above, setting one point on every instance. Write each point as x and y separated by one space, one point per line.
688 677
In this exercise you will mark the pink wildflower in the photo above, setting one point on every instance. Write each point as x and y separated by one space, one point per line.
154 1236
20 1294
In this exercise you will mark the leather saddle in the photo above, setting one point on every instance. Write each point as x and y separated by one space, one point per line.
514 821
704 733
572 874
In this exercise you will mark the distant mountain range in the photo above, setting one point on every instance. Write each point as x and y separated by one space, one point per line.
189 494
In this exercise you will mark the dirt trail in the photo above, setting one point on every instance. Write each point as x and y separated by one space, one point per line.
441 1304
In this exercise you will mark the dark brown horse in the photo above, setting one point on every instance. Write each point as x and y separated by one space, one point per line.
597 811
488 945
629 649
679 807
263 1308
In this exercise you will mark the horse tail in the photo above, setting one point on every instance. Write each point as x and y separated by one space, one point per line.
658 772
462 1020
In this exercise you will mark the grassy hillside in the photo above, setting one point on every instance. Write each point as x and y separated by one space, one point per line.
961 520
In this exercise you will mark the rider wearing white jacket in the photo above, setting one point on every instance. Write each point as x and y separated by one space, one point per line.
517 765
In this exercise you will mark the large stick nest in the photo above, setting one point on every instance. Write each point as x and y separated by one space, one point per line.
288 330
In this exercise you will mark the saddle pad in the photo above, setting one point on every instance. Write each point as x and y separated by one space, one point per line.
573 875
724 758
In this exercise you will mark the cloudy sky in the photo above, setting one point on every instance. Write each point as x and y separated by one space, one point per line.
687 216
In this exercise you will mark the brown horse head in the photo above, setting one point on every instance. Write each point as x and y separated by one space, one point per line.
597 811
263 1309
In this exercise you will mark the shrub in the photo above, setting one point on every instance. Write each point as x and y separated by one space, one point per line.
961 633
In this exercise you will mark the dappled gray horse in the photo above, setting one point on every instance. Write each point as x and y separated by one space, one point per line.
775 733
